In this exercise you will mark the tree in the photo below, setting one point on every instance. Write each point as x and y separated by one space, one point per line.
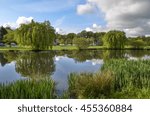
86 34
114 39
37 35
70 38
137 43
98 38
9 37
82 34
3 32
81 43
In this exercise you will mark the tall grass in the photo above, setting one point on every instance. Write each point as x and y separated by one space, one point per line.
129 72
87 85
117 79
132 78
28 89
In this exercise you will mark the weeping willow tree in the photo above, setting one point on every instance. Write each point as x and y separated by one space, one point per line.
37 35
114 39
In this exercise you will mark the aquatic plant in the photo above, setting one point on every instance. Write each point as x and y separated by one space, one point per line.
28 89
118 78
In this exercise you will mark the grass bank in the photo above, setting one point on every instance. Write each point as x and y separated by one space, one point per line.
28 89
73 48
117 79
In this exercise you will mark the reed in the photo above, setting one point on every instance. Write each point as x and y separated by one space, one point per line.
118 78
87 85
28 89
129 72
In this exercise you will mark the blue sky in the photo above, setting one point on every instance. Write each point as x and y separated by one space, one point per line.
61 13
131 16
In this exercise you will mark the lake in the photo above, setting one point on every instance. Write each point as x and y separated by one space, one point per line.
17 65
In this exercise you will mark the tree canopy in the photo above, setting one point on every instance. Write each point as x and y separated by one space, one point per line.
81 43
114 39
37 35
3 32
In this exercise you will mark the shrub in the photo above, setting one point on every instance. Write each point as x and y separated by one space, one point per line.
81 43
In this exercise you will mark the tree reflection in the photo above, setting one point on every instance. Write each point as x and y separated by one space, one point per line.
83 55
138 53
113 54
3 60
36 64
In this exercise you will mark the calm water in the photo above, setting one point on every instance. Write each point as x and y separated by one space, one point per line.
57 64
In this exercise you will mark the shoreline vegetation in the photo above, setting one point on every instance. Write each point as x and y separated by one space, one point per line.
28 89
117 79
40 36
73 48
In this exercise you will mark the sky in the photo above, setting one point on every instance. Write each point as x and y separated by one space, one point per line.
131 16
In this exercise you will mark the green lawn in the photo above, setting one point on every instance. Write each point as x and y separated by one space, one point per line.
68 48
54 48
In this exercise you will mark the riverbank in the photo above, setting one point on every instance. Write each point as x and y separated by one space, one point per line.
72 48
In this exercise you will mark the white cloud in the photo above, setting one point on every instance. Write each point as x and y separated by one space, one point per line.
24 20
88 29
9 24
60 31
96 28
20 20
85 9
132 16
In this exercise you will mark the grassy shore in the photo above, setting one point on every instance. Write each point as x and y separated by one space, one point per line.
72 48
117 79
28 89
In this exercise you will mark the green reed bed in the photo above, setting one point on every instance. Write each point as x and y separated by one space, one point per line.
130 72
28 89
132 77
88 85
117 79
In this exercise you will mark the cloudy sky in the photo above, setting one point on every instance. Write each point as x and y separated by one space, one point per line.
131 16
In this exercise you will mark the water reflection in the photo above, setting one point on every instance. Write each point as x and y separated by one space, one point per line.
66 65
16 65
3 61
35 65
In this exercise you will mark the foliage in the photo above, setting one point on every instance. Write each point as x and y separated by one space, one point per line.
65 39
70 38
130 75
114 39
137 43
96 38
86 85
9 38
28 89
3 32
37 35
81 43
117 79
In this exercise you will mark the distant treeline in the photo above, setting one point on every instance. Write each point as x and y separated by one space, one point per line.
40 36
